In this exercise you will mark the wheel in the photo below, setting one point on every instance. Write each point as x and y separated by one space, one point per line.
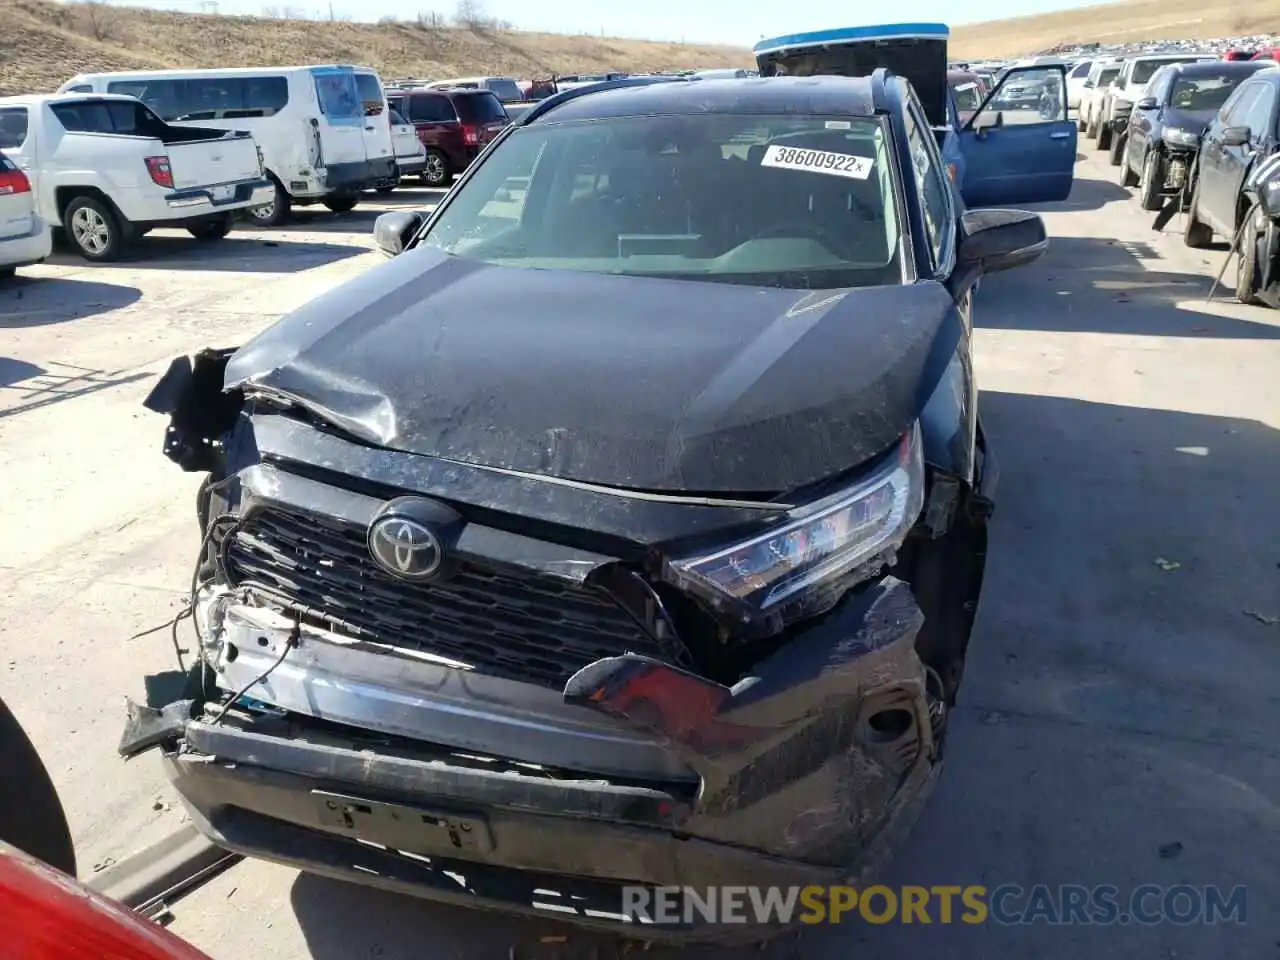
274 213
1247 279
1196 234
31 817
1127 177
1092 128
6 273
1149 196
211 230
1104 137
436 173
1115 150
1080 124
95 230
342 204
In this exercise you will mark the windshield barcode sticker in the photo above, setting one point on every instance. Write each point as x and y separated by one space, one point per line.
818 161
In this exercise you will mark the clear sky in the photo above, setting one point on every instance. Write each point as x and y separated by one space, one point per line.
739 22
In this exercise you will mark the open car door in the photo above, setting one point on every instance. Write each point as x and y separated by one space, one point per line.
1020 147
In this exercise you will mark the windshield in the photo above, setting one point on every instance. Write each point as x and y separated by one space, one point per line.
797 202
1203 93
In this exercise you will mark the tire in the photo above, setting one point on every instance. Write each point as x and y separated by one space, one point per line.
342 204
1127 177
6 273
1080 124
436 173
94 230
1195 234
1104 137
1247 280
1115 151
1149 196
276 212
31 816
211 230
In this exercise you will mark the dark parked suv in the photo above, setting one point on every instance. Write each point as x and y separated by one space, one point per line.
454 126
626 528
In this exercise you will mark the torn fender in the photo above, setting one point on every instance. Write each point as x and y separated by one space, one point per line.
835 721
200 410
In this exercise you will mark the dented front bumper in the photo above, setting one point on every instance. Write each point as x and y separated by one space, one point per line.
641 774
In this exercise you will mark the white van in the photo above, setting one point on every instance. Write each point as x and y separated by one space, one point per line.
324 131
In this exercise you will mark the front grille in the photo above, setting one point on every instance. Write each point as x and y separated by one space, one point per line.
499 620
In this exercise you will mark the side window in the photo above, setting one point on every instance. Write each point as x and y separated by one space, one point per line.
13 127
1081 70
1257 116
1026 96
1236 104
930 185
79 88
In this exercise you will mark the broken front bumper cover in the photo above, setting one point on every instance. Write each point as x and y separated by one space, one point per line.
810 771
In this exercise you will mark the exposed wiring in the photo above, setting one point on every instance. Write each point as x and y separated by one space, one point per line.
294 638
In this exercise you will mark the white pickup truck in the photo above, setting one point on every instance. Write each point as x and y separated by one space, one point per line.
106 170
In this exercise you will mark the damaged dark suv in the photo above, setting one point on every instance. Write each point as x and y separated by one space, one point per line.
626 528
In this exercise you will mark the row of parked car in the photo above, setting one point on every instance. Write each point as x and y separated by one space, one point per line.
112 156
1193 133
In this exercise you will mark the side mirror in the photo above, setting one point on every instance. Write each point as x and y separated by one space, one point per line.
393 231
1147 103
1001 239
1236 136
986 120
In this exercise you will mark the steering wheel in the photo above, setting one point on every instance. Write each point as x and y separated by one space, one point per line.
800 228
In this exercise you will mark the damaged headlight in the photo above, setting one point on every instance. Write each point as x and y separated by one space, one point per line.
1176 137
822 541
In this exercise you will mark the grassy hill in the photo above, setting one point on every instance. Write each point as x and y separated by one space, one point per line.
43 43
1116 22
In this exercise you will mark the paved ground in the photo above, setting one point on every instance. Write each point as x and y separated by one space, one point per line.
1117 723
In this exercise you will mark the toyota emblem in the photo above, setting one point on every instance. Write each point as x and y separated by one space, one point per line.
405 548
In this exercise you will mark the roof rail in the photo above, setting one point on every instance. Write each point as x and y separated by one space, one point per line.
564 96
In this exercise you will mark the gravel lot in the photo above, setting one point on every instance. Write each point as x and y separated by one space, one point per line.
1114 705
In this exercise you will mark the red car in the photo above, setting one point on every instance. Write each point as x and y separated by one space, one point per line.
1271 53
45 913
453 125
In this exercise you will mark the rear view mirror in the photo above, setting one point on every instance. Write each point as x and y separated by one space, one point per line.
1147 103
1236 136
392 232
1001 239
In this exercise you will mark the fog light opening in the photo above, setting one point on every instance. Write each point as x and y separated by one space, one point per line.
890 725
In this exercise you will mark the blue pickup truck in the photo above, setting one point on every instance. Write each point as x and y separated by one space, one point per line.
1019 147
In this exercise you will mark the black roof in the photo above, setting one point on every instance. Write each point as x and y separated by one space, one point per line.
819 96
1217 68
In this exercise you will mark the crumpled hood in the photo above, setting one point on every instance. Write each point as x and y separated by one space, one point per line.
649 384
1193 120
